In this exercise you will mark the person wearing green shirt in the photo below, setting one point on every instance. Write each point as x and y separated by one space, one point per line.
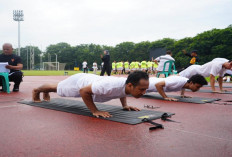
119 67
149 67
155 65
144 66
123 68
132 66
126 66
136 65
114 67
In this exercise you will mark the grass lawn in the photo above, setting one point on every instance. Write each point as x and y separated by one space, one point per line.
58 73
51 73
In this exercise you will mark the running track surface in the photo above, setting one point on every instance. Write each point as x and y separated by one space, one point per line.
205 129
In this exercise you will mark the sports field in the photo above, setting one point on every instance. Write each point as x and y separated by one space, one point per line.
58 73
52 73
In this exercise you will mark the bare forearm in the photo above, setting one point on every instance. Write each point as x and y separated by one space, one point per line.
212 82
88 100
161 91
18 67
182 92
220 80
123 101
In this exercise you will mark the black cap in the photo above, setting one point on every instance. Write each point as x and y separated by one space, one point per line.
194 51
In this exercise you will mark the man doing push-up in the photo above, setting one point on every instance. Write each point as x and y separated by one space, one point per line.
93 88
175 83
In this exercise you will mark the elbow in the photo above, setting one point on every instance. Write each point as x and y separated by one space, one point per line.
82 91
157 87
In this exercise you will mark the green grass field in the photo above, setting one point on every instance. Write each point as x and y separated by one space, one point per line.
58 73
51 73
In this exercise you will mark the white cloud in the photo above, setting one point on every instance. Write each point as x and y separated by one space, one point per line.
109 22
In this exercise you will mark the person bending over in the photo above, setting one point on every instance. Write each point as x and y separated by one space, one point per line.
211 69
175 83
93 88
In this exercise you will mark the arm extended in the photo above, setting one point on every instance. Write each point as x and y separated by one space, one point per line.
186 54
220 80
86 94
159 86
212 82
126 107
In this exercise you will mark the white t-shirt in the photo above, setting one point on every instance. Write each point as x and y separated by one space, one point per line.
172 83
162 60
220 60
228 71
214 67
104 88
84 64
94 65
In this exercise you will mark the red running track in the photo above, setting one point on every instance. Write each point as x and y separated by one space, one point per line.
205 129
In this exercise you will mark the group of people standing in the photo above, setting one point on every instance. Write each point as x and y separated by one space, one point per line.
125 67
217 67
105 66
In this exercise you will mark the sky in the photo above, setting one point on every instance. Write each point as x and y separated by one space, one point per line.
109 22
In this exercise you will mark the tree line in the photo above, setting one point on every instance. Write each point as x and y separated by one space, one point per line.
209 44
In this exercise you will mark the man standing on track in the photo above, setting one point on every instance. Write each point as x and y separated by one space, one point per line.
106 60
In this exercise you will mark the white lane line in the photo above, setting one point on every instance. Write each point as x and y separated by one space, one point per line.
10 106
199 134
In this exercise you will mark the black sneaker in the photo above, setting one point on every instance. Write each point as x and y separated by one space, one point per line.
16 88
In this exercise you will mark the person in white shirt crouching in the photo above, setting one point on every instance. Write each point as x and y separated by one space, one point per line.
174 84
216 67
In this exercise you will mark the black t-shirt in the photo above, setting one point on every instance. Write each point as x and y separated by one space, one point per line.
11 59
106 60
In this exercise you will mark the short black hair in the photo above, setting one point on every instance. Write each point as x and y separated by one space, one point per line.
169 52
136 76
194 51
198 79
